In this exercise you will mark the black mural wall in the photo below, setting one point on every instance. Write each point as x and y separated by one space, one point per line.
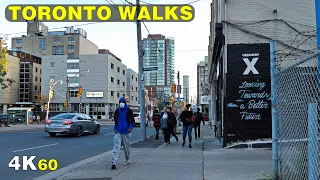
248 93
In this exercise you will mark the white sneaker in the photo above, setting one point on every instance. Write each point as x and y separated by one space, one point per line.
126 163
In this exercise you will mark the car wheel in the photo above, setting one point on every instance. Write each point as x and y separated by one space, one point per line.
97 130
79 131
52 134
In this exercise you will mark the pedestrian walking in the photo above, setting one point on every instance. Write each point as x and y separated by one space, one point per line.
172 123
198 118
164 126
185 117
124 120
34 118
38 119
156 122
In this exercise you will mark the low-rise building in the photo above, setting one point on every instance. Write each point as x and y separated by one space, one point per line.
10 95
103 83
132 89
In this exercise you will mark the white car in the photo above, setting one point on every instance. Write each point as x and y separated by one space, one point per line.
137 119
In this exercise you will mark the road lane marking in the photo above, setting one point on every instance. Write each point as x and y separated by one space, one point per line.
108 134
36 147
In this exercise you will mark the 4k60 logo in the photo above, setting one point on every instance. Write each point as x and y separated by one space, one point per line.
42 164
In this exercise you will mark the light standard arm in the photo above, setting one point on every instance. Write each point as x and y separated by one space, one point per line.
51 89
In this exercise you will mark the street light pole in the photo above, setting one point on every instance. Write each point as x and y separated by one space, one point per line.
67 93
51 89
141 87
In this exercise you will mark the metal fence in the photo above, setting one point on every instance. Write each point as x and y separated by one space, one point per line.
297 98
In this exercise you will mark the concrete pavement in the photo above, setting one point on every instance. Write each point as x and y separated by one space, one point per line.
65 149
206 160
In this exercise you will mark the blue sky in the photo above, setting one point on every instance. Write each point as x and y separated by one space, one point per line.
120 37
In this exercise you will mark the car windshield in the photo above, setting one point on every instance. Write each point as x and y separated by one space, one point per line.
63 116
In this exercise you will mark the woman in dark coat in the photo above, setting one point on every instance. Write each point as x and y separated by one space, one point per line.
172 122
185 117
156 122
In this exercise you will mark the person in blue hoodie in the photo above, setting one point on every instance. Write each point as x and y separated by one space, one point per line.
124 120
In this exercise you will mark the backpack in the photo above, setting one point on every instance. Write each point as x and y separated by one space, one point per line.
194 118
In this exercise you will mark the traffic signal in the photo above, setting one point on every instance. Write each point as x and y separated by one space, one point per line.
174 88
65 104
182 103
46 107
127 98
172 99
78 95
51 94
80 90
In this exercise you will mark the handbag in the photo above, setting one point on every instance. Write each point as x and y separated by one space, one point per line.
194 118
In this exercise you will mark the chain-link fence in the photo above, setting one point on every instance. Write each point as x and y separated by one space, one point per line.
297 99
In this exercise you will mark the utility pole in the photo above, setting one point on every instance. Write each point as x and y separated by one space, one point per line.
51 85
179 89
67 94
141 86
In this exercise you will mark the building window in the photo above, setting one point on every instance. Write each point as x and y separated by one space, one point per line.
74 80
70 47
35 88
112 79
42 43
123 84
58 50
118 82
73 93
70 39
73 66
51 65
136 89
136 79
112 92
118 94
123 72
118 69
132 87
132 98
19 41
36 78
36 69
112 66
136 98
56 40
70 55
131 76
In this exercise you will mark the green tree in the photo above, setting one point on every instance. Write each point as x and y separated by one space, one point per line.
4 66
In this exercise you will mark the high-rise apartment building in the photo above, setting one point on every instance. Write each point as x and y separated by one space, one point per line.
185 89
40 41
159 52
202 79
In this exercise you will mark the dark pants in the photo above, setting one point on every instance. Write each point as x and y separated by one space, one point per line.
187 129
197 130
166 133
171 132
157 133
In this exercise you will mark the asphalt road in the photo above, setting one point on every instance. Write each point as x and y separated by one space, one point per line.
65 149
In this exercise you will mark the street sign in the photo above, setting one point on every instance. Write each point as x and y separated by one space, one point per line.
150 69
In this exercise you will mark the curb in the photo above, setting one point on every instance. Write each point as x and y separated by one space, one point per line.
71 167
21 130
251 145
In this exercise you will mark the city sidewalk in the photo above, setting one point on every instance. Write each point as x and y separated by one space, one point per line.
154 160
23 127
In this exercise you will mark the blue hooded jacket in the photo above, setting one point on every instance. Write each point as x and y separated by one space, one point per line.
123 118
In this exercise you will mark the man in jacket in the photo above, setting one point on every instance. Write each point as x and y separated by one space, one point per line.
199 118
185 117
156 122
123 119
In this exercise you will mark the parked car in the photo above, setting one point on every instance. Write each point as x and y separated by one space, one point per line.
206 116
71 124
137 119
